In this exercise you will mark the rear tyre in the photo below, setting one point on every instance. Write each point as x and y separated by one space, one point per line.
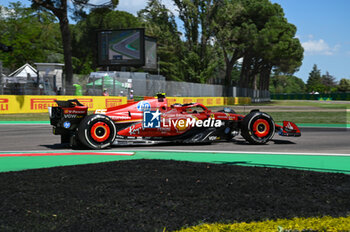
97 131
258 128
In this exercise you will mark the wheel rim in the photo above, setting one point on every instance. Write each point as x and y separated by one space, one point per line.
261 128
100 132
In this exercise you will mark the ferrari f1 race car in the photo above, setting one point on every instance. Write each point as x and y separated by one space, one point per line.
152 121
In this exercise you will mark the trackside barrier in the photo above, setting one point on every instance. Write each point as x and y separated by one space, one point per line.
210 101
15 104
237 100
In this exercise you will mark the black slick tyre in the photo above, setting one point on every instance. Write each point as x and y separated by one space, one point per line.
257 128
96 131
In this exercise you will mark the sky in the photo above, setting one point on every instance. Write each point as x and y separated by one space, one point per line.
323 28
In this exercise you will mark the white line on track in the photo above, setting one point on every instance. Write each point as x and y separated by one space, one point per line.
249 152
192 151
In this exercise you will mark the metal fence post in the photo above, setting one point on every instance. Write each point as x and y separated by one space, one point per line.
103 83
113 85
1 86
93 85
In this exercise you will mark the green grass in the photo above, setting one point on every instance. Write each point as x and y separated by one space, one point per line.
135 45
311 117
321 104
25 117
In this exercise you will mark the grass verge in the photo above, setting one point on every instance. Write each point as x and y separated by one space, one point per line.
25 117
281 225
321 104
311 117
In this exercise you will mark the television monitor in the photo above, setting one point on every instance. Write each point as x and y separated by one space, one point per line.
150 53
124 47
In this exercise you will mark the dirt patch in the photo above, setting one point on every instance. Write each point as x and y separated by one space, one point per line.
149 195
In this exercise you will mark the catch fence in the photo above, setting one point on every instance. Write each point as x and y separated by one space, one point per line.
129 84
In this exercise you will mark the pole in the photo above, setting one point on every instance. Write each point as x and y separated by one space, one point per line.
158 65
1 86
103 83
93 85
113 85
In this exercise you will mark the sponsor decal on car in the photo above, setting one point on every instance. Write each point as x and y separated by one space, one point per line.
143 106
133 130
191 122
289 127
70 116
100 111
117 118
74 111
153 119
66 124
181 124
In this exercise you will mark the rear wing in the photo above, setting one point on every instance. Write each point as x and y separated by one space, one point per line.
69 103
67 115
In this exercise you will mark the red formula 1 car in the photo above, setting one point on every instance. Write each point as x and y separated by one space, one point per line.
153 121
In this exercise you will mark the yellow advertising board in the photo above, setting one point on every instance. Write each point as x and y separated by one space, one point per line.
237 100
210 101
14 104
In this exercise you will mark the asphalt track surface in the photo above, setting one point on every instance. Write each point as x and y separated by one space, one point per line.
313 140
166 193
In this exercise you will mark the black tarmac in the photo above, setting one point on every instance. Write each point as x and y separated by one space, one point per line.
150 195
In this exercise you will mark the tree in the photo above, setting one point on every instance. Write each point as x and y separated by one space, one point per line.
287 84
277 49
329 82
258 32
230 32
314 82
34 36
160 23
200 56
60 8
272 45
344 85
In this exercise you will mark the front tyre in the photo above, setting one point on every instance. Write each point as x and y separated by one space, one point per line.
97 131
258 128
